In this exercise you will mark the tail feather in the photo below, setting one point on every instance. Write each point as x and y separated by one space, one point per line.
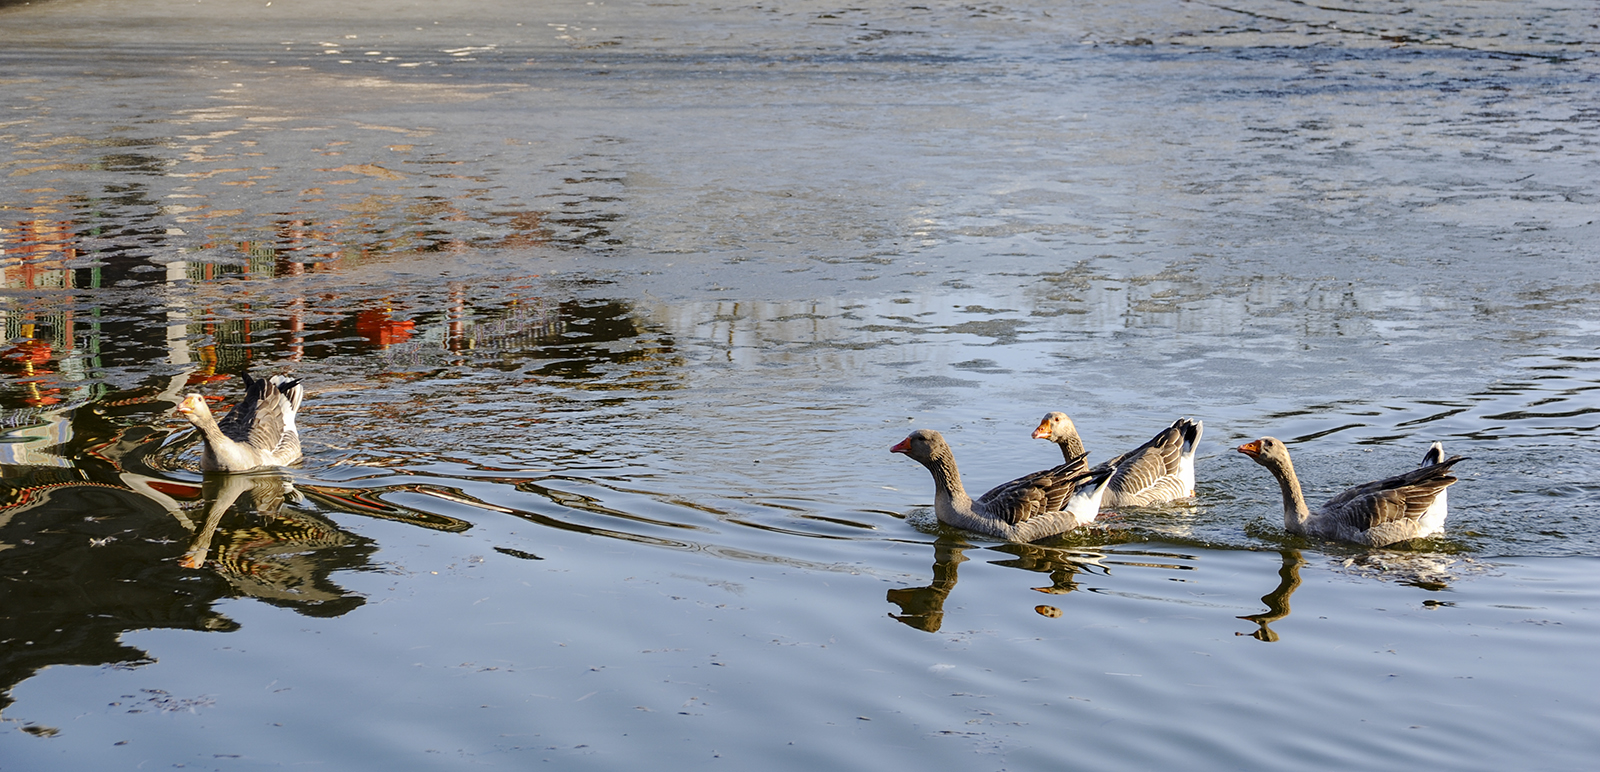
291 390
1191 434
1434 455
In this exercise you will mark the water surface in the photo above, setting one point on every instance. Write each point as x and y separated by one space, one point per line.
609 314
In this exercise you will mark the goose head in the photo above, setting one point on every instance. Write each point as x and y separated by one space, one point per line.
194 408
925 446
1055 427
1269 452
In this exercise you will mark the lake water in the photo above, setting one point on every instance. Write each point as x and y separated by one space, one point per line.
609 313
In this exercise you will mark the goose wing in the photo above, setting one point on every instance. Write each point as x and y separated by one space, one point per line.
1403 497
1043 491
264 419
240 421
274 429
1149 465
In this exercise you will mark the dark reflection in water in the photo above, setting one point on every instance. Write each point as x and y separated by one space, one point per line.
85 561
1278 600
1434 572
101 535
923 607
1063 567
265 551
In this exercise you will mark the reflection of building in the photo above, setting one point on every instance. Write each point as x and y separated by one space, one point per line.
95 299
34 256
381 329
111 309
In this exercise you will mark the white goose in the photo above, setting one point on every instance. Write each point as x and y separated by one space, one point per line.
1156 472
1376 514
1041 504
258 432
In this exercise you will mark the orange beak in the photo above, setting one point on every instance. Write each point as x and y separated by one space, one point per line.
1046 428
1250 449
903 446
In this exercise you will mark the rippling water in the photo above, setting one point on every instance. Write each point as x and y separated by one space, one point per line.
609 314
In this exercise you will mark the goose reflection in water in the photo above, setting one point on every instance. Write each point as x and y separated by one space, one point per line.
1278 600
1431 572
277 554
101 534
923 607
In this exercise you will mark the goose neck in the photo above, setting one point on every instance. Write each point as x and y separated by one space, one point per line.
1295 512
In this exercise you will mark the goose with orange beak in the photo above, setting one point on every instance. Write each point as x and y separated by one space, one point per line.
258 432
1156 472
1376 514
1041 504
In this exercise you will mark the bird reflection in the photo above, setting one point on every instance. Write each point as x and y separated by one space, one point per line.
1062 567
1433 572
1278 600
923 607
266 551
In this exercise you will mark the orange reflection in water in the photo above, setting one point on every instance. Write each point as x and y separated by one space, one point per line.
380 328
33 256
217 332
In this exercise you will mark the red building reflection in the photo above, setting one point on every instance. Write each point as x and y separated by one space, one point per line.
34 256
380 327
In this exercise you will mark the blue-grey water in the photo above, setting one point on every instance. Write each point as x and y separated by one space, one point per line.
609 313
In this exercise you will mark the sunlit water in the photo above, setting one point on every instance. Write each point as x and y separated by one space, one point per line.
609 314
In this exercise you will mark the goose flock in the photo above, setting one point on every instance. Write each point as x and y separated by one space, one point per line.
259 432
1406 506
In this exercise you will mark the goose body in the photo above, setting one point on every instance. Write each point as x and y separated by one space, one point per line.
258 432
1042 504
1376 514
1156 472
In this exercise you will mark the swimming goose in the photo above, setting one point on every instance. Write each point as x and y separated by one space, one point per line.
1376 514
257 432
1153 473
1041 504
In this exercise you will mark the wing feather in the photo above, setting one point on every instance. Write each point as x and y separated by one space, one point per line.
1046 490
237 424
1403 497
